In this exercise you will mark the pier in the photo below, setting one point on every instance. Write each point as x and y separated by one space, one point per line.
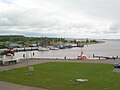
25 49
106 57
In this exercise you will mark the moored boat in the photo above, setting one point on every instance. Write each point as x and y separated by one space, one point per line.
53 48
43 48
9 52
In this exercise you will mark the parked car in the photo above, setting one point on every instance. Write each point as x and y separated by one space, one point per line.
117 65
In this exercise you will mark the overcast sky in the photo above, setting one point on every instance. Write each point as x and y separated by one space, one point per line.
61 18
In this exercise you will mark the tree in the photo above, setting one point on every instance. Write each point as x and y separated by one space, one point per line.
87 40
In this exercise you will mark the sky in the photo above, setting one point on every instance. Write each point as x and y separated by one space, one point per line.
61 18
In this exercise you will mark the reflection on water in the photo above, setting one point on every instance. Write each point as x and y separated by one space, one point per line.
109 48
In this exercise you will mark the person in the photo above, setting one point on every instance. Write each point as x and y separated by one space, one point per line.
113 58
99 58
65 57
33 53
23 55
117 57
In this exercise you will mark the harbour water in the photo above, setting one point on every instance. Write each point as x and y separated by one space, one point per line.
109 48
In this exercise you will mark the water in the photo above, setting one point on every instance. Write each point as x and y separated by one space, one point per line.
109 48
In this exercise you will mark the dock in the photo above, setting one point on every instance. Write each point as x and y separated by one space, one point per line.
106 57
25 49
9 62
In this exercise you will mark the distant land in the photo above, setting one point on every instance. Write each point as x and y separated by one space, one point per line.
54 37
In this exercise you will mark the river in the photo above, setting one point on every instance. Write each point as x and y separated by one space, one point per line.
109 48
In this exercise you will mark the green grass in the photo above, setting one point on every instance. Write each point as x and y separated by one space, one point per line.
61 76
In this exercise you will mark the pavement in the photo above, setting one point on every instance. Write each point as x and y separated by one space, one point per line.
11 86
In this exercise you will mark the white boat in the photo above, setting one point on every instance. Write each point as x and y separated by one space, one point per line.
53 48
43 48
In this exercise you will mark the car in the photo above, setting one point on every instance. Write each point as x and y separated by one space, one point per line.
117 65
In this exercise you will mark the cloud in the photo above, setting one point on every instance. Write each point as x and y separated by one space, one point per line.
115 27
59 18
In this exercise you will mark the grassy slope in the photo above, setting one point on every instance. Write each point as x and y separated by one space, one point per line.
61 76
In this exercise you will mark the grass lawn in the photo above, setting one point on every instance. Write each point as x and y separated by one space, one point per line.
61 76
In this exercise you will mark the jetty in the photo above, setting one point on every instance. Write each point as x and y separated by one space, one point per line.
9 61
105 57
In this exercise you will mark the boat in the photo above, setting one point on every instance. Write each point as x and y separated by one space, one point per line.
53 48
9 52
82 56
80 45
62 46
43 48
69 46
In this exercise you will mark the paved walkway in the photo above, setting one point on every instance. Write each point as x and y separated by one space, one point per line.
29 62
10 86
